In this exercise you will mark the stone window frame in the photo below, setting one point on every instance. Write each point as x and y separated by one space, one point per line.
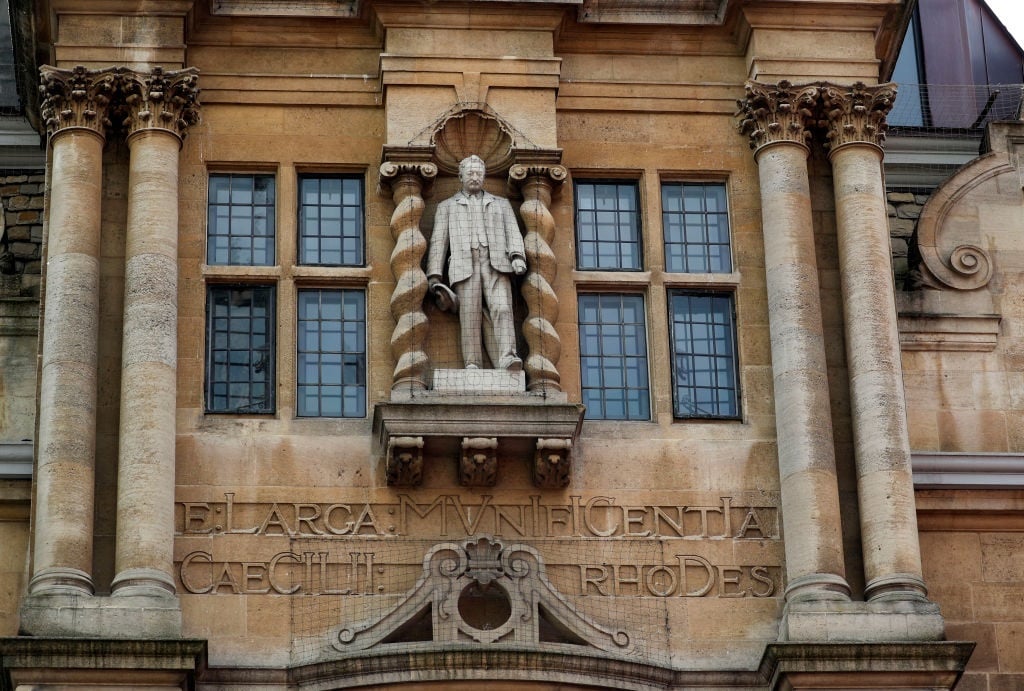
346 232
656 284
288 276
638 241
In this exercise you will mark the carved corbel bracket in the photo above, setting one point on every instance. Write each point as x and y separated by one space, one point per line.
552 464
405 461
478 465
777 112
405 173
161 100
77 98
856 114
536 177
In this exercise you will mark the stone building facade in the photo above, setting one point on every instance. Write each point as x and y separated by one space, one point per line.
260 463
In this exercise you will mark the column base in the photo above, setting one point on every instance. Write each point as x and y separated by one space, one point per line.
862 622
61 581
144 582
817 587
123 617
896 587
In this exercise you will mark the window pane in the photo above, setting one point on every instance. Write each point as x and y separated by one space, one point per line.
240 220
613 357
607 226
240 349
703 355
331 353
331 220
695 220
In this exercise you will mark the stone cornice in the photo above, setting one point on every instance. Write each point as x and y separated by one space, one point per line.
161 100
77 98
777 113
856 114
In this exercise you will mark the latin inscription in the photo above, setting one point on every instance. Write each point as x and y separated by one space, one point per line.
593 546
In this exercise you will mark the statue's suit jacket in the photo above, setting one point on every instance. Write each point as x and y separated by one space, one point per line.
453 233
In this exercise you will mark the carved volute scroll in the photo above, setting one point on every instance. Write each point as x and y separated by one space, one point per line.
77 98
537 181
950 262
515 575
777 112
856 113
162 100
406 181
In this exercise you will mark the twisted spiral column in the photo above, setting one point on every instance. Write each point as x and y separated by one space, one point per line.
537 183
406 182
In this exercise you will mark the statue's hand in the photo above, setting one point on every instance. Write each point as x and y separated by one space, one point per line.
432 283
518 266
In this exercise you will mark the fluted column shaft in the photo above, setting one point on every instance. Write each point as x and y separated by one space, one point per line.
162 106
807 469
545 347
74 110
892 556
406 181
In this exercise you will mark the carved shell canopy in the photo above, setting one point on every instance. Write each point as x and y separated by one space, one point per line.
473 132
472 128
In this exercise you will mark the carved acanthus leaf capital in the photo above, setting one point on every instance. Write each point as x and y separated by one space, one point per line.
777 112
162 100
77 98
856 113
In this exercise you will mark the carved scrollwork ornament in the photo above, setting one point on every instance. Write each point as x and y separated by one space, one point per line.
478 465
391 170
777 112
521 172
161 100
552 464
77 98
856 113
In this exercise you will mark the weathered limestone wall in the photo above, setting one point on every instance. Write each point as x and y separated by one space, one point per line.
963 355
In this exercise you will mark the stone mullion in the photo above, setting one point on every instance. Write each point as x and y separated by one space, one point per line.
545 346
74 108
892 558
406 182
161 107
775 117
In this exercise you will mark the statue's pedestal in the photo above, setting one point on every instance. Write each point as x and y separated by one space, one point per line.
484 412
475 382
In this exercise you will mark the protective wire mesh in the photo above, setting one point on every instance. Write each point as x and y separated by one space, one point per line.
953 110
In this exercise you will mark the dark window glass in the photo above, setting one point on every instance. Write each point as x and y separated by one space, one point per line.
704 368
613 357
331 220
607 226
240 349
331 353
240 220
695 218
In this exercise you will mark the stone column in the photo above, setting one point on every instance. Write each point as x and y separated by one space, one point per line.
776 118
161 106
406 178
537 182
74 108
892 556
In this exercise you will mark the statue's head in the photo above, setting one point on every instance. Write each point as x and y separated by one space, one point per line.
472 171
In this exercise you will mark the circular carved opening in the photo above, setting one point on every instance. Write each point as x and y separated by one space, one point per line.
484 607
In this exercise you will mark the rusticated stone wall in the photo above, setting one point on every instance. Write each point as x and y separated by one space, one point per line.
22 239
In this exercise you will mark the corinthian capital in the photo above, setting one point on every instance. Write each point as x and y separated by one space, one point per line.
777 112
162 100
77 98
856 113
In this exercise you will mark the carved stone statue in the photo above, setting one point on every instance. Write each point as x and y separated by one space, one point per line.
478 234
